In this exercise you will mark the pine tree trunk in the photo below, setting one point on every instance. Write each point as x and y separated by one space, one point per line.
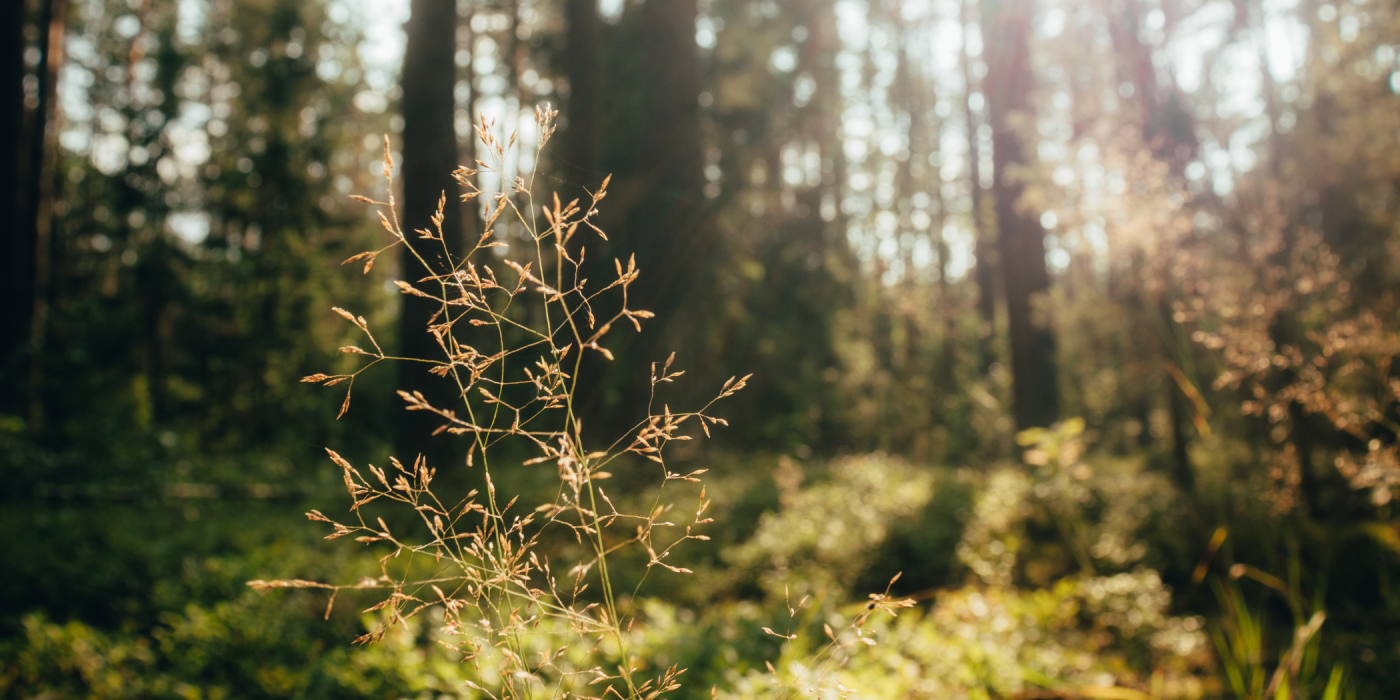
17 253
1020 239
655 207
429 156
583 137
985 270
42 185
664 229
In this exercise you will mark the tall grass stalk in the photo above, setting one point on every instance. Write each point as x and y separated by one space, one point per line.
1242 636
513 350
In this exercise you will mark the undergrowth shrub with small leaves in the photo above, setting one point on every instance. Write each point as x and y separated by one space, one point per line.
1057 598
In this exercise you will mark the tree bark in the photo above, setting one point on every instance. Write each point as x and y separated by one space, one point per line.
1169 131
43 158
429 157
664 228
1020 239
983 249
655 207
17 254
583 137
1166 126
466 145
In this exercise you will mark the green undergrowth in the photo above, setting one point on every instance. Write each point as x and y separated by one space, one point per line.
1054 577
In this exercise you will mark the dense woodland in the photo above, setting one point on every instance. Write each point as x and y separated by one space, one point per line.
1079 316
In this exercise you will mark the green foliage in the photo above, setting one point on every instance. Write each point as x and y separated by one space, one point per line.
825 535
1223 302
170 616
198 220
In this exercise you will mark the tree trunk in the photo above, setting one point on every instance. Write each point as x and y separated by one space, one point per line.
429 156
983 249
664 228
1166 126
656 205
583 137
1169 131
1020 239
17 254
42 184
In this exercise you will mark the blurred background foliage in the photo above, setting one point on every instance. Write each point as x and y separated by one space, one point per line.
1080 314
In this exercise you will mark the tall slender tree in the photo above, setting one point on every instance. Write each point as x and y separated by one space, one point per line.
429 157
656 212
39 215
466 142
1168 130
665 160
1020 236
583 51
985 270
17 254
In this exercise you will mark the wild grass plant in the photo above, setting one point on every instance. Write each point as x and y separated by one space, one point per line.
1061 596
1242 642
513 331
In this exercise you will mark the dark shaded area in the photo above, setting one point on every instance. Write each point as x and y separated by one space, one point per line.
430 156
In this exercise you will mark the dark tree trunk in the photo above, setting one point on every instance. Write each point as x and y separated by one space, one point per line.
429 156
466 145
664 228
1169 131
1020 239
655 209
983 250
583 138
1182 474
17 254
42 185
1166 126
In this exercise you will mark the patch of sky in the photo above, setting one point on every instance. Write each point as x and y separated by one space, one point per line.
851 26
783 59
188 227
381 50
1052 23
961 242
191 18
1285 39
1198 34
